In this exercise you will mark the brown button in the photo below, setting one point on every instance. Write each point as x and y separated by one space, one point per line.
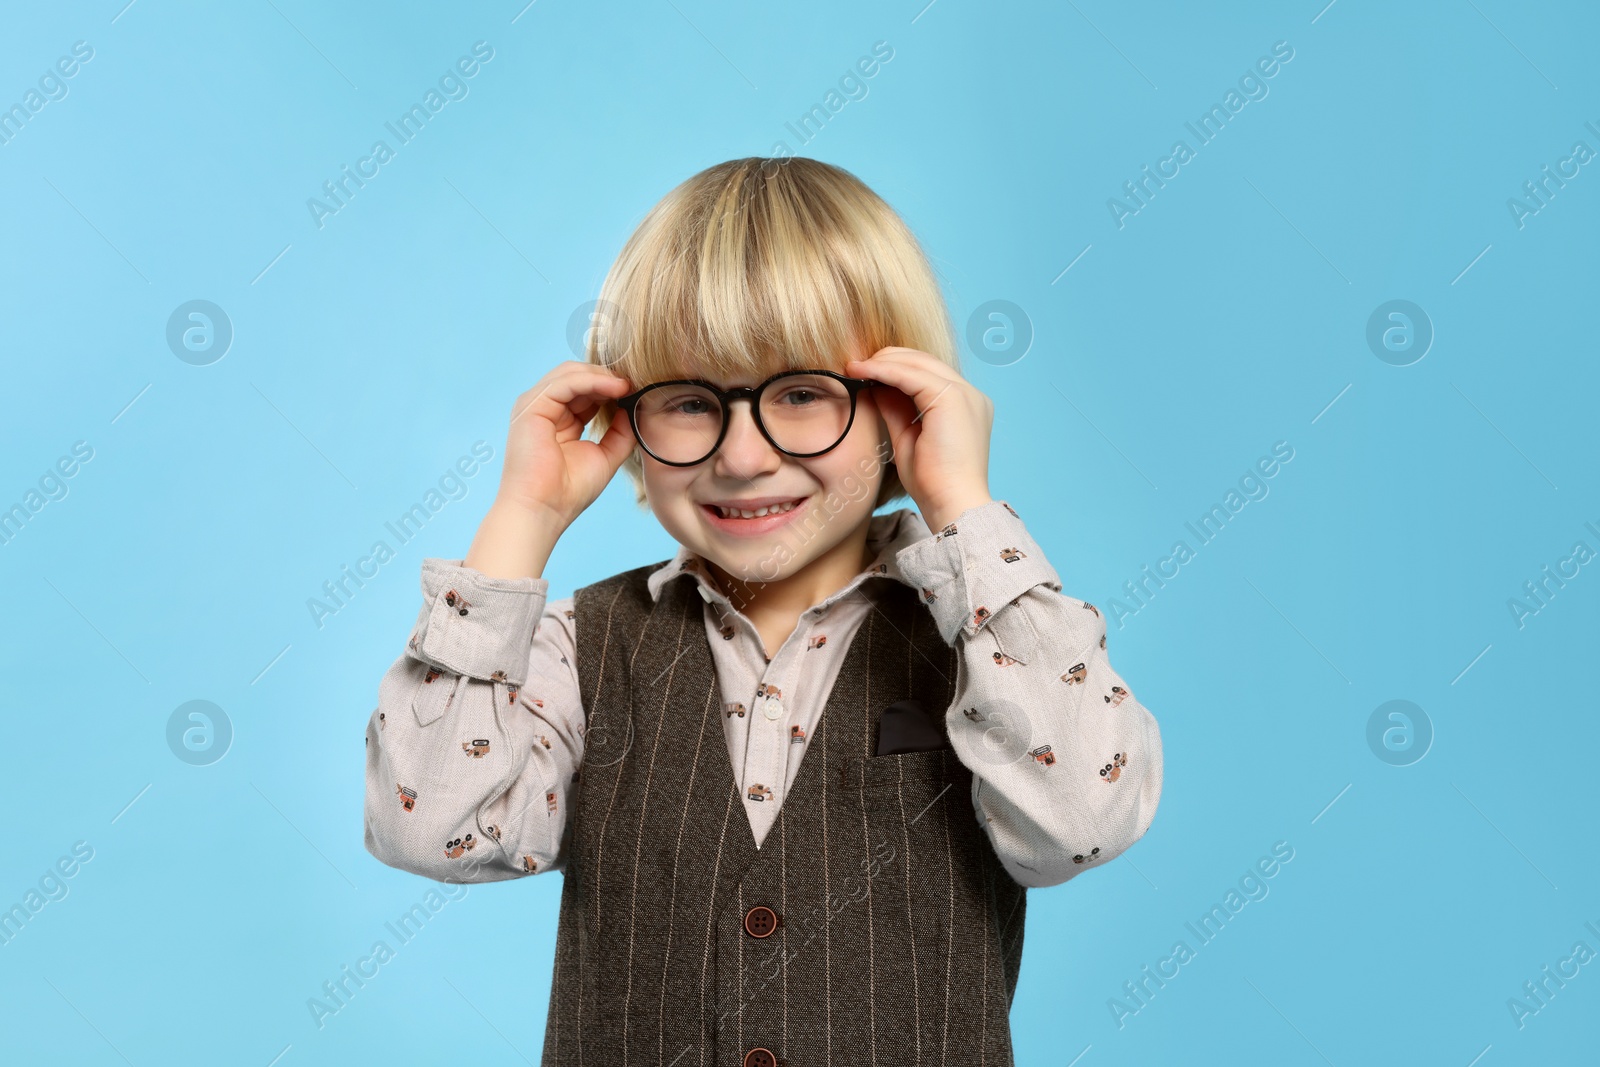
760 1057
760 921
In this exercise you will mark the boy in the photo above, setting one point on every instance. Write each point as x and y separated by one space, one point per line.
799 776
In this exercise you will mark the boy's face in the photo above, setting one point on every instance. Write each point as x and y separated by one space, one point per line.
835 491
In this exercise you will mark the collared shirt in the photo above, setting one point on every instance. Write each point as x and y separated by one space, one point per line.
1066 762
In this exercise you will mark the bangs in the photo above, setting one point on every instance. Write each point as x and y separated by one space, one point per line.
753 267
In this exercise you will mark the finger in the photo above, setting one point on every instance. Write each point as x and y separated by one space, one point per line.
909 357
553 398
578 415
617 444
898 412
916 357
584 410
582 379
915 381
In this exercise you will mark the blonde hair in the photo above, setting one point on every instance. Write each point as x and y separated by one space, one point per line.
759 265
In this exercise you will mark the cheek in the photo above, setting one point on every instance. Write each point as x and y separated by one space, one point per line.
869 427
664 487
858 464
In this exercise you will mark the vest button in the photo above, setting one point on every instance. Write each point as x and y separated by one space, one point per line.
760 1057
761 921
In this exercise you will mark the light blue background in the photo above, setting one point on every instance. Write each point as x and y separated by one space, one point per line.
1228 314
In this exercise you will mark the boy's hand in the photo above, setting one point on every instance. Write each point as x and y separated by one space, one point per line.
941 454
551 474
550 470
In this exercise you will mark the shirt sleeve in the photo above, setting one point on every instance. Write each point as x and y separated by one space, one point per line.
1066 761
478 732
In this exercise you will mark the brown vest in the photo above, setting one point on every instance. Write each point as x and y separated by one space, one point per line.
892 933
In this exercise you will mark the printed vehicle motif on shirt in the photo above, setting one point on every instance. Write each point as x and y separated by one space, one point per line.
722 622
511 690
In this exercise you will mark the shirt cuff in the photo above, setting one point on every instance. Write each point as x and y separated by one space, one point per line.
974 567
475 625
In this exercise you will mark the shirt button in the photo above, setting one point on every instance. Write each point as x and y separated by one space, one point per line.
760 1057
760 921
772 709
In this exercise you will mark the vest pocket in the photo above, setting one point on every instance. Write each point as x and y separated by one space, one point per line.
916 779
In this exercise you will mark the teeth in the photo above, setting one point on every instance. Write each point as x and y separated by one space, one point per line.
730 513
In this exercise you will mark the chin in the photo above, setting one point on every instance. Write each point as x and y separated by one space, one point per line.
772 563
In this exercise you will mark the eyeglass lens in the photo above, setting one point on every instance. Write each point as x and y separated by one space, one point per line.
804 413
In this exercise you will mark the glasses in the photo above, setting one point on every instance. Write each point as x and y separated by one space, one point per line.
801 413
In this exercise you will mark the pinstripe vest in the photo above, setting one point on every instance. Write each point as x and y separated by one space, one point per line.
894 935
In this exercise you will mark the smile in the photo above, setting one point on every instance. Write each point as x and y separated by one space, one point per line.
773 509
749 522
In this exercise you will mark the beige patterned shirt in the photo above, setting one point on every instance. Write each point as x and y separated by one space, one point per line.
480 726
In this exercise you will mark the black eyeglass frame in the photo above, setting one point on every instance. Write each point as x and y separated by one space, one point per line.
725 397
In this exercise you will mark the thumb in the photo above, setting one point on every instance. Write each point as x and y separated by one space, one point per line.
617 443
898 410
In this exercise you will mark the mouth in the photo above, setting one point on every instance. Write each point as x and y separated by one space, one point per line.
750 522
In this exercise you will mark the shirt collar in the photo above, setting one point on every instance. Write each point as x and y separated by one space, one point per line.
887 535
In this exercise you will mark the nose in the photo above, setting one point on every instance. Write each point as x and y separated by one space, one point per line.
745 451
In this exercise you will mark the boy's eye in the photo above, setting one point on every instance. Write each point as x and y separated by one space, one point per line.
798 397
688 405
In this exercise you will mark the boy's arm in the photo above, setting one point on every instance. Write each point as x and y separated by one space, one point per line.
478 725
1066 762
